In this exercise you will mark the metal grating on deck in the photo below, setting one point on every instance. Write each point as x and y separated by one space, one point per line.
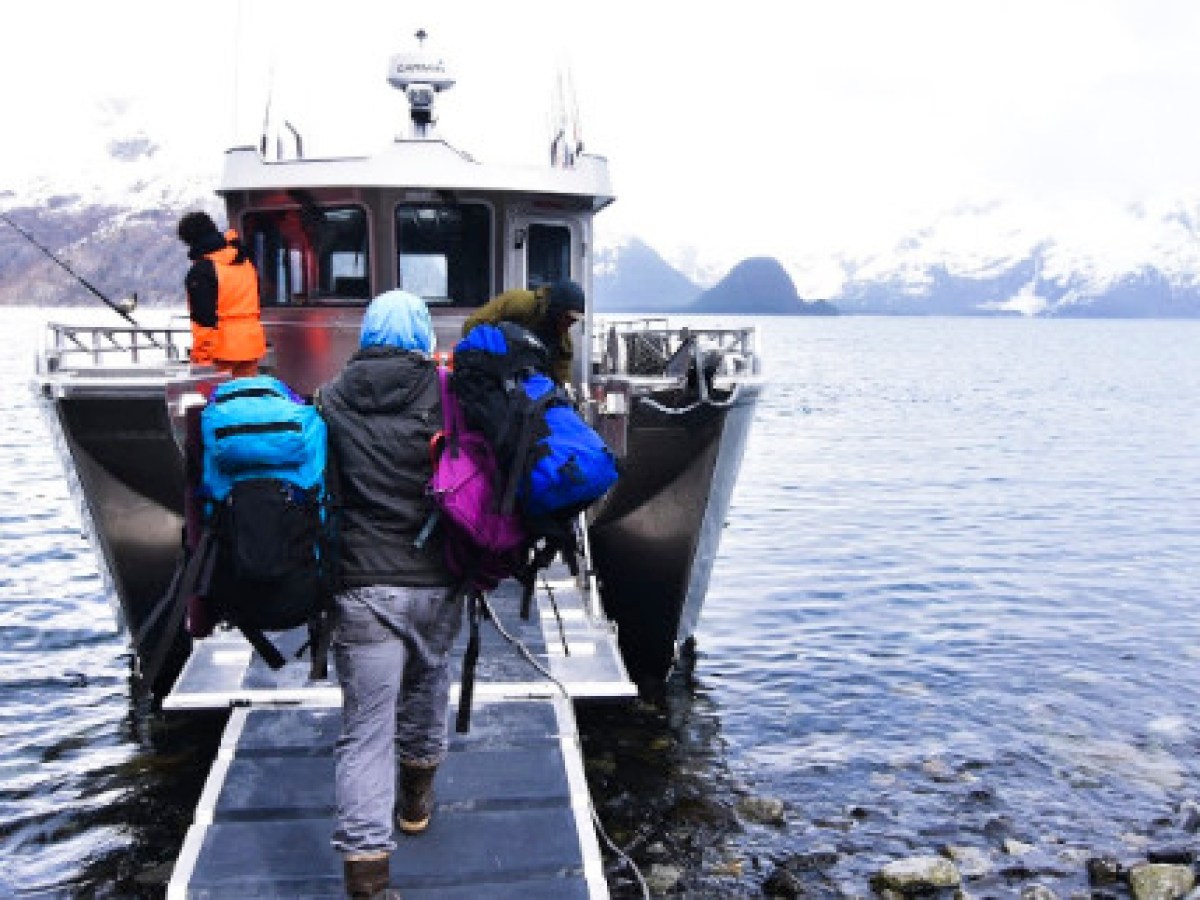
512 816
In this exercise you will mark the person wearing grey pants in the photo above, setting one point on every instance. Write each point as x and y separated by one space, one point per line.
394 621
390 646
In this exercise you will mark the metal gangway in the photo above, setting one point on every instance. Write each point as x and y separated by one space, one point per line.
513 817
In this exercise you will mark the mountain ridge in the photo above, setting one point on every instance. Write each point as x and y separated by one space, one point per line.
759 286
112 219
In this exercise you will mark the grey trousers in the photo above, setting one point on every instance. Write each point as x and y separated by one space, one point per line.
391 647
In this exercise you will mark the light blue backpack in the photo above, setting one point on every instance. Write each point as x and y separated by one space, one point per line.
266 511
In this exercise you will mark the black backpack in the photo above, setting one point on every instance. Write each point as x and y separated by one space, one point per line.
556 464
490 364
265 557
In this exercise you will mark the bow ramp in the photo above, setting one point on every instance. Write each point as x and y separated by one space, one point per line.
513 815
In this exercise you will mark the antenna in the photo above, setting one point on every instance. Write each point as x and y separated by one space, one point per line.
422 76
576 119
237 75
262 141
299 141
558 125
566 141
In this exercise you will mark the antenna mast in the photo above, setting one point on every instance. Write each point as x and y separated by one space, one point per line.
566 140
422 76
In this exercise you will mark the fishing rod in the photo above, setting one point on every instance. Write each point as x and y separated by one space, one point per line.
87 284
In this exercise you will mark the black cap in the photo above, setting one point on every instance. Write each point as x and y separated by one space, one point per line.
565 297
195 227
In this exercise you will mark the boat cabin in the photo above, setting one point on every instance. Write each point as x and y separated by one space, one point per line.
327 235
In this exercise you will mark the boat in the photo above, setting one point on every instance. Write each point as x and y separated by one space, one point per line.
327 235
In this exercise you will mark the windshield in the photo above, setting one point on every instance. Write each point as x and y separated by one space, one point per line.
444 252
309 253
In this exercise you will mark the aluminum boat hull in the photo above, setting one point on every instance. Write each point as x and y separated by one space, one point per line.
655 538
654 541
126 468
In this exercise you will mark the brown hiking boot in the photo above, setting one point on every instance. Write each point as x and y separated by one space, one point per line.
367 878
416 804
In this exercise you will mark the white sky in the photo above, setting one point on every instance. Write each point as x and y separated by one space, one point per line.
763 127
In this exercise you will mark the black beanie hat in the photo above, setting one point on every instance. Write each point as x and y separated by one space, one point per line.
565 297
195 226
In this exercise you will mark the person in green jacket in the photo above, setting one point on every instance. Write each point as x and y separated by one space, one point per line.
548 311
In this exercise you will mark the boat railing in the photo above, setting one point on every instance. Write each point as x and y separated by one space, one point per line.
103 347
650 347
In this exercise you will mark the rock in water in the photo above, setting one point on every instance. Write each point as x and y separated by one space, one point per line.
917 873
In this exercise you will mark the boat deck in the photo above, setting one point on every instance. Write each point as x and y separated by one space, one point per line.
513 814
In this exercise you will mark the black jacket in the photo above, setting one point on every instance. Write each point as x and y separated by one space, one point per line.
382 411
200 282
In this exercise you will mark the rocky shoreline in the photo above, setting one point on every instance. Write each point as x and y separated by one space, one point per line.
668 799
963 872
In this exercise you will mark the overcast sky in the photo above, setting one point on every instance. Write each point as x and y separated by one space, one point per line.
779 128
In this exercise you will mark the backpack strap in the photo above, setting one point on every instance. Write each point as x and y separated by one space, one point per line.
452 415
542 557
320 633
268 651
320 626
174 600
520 461
462 722
164 603
437 445
198 571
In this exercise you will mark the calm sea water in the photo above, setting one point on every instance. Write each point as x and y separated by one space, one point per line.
954 606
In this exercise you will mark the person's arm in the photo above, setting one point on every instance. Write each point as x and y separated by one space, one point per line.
491 313
511 306
201 286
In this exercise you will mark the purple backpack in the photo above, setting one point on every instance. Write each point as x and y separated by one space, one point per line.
480 543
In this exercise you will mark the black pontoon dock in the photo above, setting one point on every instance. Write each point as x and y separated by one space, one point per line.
513 814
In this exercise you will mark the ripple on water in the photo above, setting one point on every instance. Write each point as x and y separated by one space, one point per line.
954 604
963 599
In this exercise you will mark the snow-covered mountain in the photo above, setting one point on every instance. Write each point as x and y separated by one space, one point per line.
111 212
1139 260
108 211
631 277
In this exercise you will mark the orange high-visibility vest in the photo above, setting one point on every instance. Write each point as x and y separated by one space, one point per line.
240 333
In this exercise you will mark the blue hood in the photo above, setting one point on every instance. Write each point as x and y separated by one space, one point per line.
398 319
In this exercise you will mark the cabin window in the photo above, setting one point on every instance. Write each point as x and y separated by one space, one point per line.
444 252
548 254
311 253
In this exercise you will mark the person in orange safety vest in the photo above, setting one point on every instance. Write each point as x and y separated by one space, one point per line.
222 296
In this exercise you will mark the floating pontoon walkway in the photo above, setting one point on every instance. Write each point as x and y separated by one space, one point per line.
513 813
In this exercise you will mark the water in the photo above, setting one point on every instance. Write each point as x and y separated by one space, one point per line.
95 792
953 606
